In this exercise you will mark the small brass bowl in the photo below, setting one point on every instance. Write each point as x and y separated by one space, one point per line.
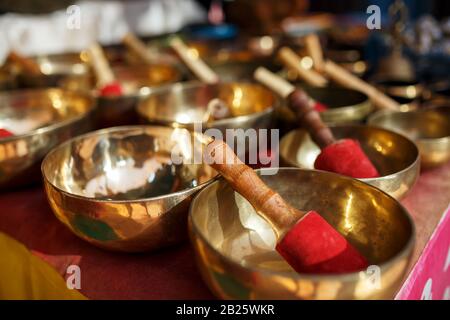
235 70
119 188
55 70
395 157
410 89
184 104
429 128
136 82
41 119
344 105
235 247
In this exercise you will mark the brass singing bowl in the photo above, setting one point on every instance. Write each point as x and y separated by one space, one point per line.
185 104
136 82
344 105
126 188
41 119
235 247
406 92
395 157
429 128
55 69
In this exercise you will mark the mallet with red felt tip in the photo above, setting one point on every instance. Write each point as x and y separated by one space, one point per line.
304 239
343 156
106 81
310 76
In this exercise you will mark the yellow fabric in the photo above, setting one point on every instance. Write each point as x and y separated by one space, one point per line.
25 276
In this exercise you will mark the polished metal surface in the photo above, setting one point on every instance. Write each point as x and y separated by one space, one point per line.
123 188
235 247
40 120
183 104
395 157
345 105
429 128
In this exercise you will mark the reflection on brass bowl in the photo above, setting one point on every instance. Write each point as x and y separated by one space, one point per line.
56 69
345 105
136 82
126 188
429 128
183 104
235 248
409 89
40 120
395 157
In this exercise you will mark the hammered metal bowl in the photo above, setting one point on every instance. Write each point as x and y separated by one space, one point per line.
235 247
429 128
395 157
40 120
126 188
184 104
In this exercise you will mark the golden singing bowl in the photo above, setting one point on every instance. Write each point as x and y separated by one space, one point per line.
136 82
241 70
429 128
235 247
344 105
184 104
40 120
395 157
55 69
406 92
126 188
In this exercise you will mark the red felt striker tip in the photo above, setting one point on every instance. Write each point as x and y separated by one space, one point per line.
346 157
5 133
319 107
314 246
111 89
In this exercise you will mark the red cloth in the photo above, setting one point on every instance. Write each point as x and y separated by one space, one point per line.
5 133
346 157
314 246
168 274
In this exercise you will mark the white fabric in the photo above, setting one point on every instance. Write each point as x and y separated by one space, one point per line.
104 21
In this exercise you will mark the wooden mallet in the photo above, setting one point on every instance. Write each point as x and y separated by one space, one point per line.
106 81
343 156
304 239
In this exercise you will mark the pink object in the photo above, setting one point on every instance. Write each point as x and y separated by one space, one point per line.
430 277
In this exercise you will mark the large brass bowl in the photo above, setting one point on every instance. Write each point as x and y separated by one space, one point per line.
40 119
122 188
395 157
344 105
235 248
184 104
429 128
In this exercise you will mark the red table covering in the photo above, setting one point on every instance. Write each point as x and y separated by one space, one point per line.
169 274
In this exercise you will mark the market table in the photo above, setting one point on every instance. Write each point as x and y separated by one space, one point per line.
172 274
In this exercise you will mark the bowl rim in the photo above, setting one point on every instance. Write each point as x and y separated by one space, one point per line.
367 180
195 83
405 251
382 113
105 131
92 102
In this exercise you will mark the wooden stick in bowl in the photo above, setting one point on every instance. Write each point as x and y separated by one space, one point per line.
201 70
138 47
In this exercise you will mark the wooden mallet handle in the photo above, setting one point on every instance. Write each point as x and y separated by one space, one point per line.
29 65
138 47
314 49
100 65
269 204
300 103
293 61
346 79
195 64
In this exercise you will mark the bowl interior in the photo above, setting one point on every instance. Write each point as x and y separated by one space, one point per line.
187 103
388 151
335 97
127 163
433 123
371 220
24 111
